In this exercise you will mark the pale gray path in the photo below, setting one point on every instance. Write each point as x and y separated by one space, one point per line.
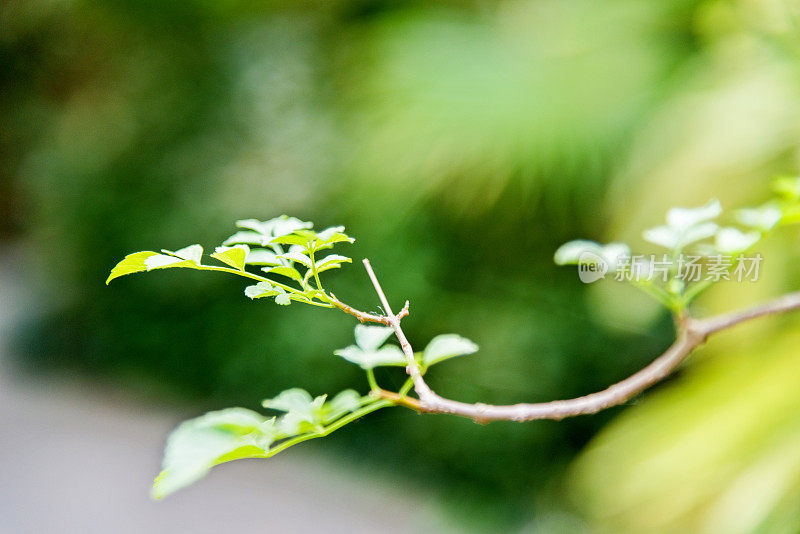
77 460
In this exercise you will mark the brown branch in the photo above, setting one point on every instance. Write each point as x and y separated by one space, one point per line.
691 334
367 317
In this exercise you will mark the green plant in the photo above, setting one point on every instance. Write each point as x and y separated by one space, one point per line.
292 256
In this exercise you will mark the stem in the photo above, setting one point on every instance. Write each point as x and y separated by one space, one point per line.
339 423
373 384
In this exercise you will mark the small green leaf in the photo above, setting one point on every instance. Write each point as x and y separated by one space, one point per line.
191 253
272 228
233 256
787 187
763 218
261 256
261 290
283 299
166 261
582 251
447 346
345 402
290 272
372 337
246 238
199 444
390 355
681 219
291 239
335 259
132 263
297 256
733 240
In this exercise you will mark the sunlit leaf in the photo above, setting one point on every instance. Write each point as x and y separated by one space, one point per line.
390 355
199 444
763 218
732 240
332 259
246 238
583 251
299 257
681 219
372 337
446 346
290 272
233 256
283 299
261 290
132 263
261 256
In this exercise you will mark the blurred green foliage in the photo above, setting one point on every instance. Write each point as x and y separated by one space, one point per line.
461 144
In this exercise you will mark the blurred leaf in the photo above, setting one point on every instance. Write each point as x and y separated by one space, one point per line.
216 437
446 346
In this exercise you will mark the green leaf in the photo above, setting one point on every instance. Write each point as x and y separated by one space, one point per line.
216 437
283 299
682 219
390 355
372 337
261 256
132 263
246 238
733 240
291 239
345 402
261 290
303 413
276 227
447 346
233 256
290 272
787 187
331 261
582 251
763 218
298 257
193 253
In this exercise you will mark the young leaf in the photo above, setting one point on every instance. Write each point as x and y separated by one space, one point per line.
447 346
787 187
369 359
246 238
216 437
261 290
192 253
331 261
290 272
345 402
283 299
233 256
261 256
165 261
303 413
578 251
732 240
763 218
372 337
273 228
132 263
297 256
681 219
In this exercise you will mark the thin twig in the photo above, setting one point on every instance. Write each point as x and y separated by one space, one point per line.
690 334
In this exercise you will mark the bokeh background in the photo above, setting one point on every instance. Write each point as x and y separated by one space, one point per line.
461 142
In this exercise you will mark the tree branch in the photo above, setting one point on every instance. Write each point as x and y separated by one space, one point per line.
690 334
